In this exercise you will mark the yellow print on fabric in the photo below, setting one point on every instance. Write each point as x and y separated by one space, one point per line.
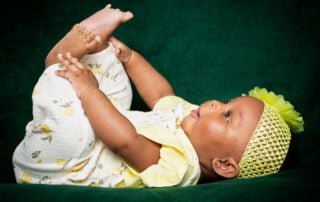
25 178
96 68
68 109
47 131
63 162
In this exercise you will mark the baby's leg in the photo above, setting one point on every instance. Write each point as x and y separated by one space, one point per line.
58 138
102 24
112 78
78 41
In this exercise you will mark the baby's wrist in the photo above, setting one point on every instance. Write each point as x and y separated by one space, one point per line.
128 57
86 92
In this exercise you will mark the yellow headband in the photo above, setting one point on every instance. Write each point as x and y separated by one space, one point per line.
269 143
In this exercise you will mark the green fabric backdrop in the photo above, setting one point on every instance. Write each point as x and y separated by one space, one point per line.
206 49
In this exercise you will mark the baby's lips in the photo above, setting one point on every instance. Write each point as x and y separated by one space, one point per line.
118 50
195 113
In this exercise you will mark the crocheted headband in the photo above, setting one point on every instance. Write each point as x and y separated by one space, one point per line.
270 141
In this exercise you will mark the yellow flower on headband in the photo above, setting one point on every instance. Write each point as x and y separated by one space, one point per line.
285 108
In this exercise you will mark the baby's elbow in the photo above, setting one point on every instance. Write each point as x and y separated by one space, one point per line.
123 148
139 152
120 150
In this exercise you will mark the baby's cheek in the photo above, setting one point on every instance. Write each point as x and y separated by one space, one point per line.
213 128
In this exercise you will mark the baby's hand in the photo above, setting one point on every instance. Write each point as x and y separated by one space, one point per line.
80 77
122 51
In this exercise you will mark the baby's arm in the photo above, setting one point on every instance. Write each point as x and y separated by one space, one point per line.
151 85
115 130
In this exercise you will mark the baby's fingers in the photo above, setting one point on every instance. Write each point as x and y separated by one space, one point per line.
66 61
75 62
64 74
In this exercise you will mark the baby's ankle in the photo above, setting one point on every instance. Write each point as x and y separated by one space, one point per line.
72 42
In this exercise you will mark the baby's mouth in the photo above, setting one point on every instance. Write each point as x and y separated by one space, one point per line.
195 113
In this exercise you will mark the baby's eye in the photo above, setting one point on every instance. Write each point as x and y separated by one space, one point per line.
227 116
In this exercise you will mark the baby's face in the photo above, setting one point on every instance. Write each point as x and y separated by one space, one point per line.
219 129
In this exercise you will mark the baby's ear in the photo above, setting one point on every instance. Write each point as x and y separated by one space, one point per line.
225 167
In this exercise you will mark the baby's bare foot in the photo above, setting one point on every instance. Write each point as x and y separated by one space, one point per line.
102 24
122 51
91 40
105 21
79 41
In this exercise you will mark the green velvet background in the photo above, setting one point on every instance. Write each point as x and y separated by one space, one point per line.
206 49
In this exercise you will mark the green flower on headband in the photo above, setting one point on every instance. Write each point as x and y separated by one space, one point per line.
285 108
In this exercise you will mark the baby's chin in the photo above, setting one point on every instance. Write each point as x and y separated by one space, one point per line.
186 123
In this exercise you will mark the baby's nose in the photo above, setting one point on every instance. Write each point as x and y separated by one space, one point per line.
210 106
215 104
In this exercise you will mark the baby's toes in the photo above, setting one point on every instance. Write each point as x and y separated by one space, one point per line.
126 16
92 41
90 37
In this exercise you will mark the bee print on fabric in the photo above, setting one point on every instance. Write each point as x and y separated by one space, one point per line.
35 155
67 105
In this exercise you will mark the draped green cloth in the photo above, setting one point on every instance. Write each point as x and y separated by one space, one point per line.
206 49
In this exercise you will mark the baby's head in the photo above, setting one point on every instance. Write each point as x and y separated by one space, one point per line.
248 136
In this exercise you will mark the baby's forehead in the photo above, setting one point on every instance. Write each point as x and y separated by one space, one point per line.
247 111
246 100
249 107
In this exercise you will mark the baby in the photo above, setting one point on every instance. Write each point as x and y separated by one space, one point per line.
83 132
